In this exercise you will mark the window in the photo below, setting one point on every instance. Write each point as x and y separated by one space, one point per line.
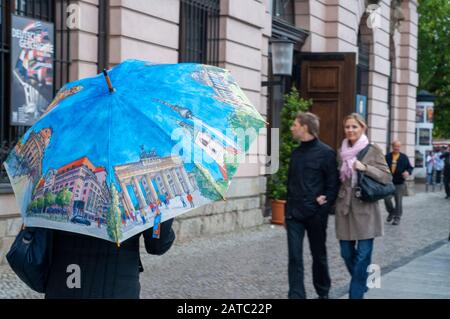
284 10
199 31
424 136
418 159
44 10
429 114
362 68
420 114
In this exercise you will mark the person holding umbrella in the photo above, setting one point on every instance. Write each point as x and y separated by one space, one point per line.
99 148
105 270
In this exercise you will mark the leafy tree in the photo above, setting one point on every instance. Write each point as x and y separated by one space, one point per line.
243 120
33 206
113 219
49 199
205 184
64 197
40 204
293 103
434 59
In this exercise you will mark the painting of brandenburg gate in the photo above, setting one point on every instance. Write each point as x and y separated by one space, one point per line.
151 179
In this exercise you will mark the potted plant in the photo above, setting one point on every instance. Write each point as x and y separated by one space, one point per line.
277 183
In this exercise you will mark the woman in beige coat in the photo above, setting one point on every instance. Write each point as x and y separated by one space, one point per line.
358 222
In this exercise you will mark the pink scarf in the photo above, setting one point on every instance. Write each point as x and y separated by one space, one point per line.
348 155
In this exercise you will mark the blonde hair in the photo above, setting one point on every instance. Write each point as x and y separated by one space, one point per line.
358 118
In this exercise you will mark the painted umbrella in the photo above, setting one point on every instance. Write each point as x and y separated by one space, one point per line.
113 158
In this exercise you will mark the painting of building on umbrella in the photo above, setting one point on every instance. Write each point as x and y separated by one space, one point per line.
78 192
103 162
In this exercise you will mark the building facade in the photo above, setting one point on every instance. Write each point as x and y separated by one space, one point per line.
424 132
342 50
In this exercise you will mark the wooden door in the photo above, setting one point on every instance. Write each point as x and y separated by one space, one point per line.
329 80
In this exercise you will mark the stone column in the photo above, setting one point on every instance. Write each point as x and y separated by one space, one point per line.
166 183
194 185
140 196
177 182
131 32
127 200
151 187
407 79
187 180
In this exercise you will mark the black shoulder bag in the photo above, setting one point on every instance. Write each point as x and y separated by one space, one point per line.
30 256
368 189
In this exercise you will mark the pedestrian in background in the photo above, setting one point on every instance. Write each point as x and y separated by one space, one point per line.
401 169
439 168
190 199
446 157
430 165
358 222
182 200
312 189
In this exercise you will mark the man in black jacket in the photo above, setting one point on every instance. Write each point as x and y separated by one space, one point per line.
312 189
400 168
105 270
446 157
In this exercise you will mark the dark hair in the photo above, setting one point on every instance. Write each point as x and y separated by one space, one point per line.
311 120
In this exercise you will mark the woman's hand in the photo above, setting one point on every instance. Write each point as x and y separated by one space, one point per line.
359 166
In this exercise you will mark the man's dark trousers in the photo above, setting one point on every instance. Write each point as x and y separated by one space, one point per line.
397 211
316 230
447 184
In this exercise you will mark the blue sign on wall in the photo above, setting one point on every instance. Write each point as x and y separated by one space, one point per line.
361 105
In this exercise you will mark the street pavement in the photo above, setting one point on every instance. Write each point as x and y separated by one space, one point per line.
252 263
426 277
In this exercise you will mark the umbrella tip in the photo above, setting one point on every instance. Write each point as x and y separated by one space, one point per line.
108 81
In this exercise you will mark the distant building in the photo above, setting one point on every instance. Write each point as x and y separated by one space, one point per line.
85 181
424 131
33 150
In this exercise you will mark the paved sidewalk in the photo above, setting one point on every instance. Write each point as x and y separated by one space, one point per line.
252 263
426 277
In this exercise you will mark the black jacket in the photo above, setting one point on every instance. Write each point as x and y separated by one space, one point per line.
446 158
403 165
312 172
107 271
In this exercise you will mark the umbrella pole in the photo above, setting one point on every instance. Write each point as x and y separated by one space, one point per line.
108 81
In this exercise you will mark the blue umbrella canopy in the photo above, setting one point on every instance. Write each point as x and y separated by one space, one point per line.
105 161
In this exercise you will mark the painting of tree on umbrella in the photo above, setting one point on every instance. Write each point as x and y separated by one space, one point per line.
105 164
